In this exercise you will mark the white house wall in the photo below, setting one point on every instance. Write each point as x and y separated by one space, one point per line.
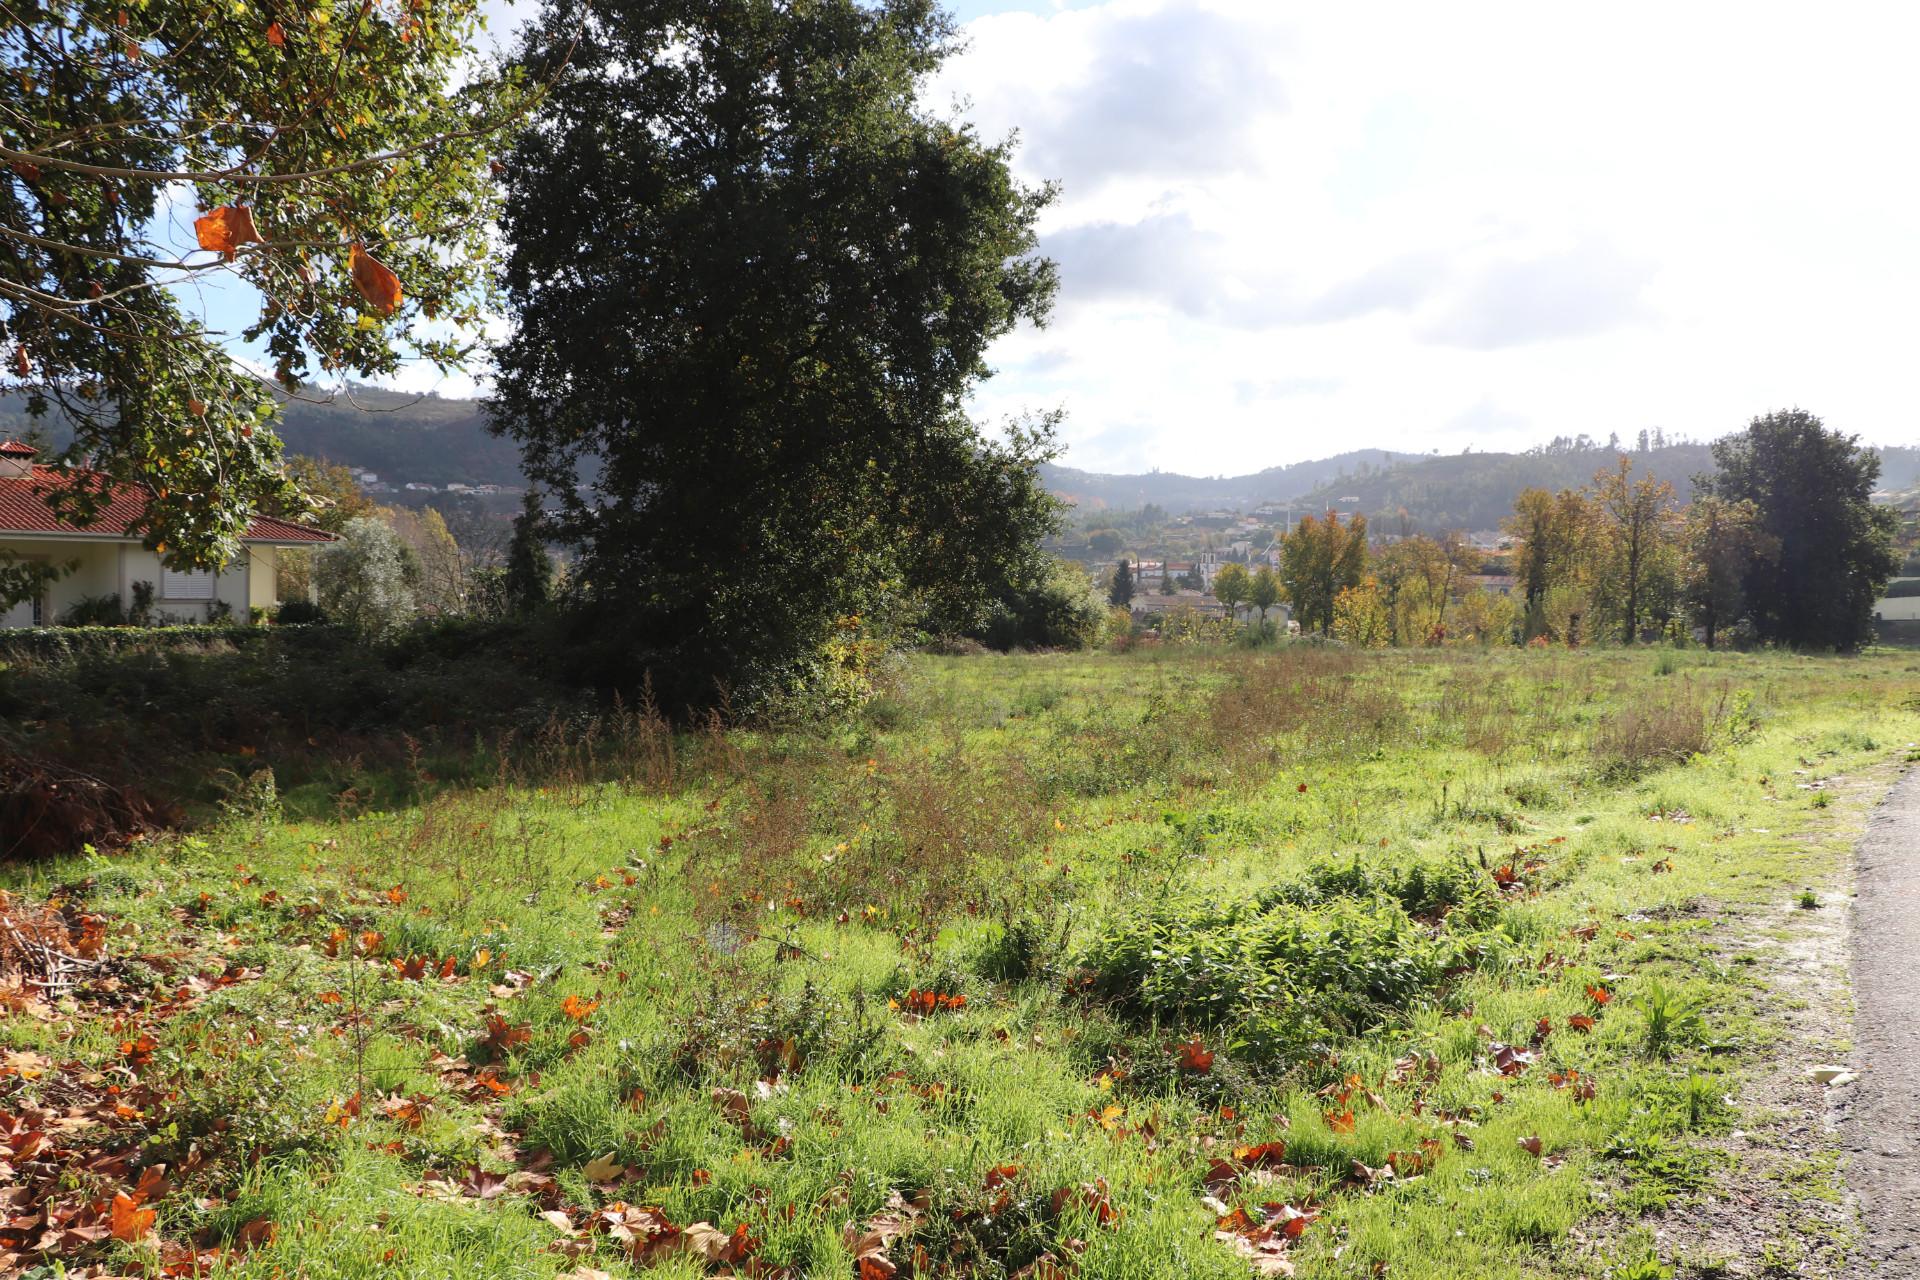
112 568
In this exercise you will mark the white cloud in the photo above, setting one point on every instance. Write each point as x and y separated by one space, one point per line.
1583 290
1288 230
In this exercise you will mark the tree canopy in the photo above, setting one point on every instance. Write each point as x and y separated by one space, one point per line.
1318 560
328 161
744 338
1811 489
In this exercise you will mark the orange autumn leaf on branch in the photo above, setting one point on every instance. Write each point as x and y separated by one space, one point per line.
226 229
277 36
379 286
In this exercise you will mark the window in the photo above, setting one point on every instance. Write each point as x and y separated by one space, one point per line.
193 584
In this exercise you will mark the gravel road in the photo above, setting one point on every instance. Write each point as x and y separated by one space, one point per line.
1883 1130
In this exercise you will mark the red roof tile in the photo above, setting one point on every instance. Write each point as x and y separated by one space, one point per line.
24 509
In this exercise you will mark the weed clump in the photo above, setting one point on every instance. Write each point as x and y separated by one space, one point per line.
1284 980
1427 891
1653 730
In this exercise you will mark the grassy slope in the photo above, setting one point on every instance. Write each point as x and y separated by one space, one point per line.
1057 796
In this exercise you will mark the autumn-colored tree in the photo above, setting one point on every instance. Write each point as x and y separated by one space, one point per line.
1417 577
1318 560
332 158
1723 541
1483 616
1554 537
1360 615
1636 540
441 569
325 495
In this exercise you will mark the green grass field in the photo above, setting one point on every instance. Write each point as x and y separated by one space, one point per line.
1171 963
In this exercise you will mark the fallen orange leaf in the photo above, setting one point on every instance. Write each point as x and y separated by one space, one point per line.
130 1221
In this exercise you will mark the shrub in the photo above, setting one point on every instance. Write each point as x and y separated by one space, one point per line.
1062 610
297 613
363 579
95 611
55 646
1424 890
1284 980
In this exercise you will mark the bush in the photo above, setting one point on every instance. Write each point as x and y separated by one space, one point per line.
170 708
1283 980
59 645
95 611
1063 610
1424 890
364 580
299 613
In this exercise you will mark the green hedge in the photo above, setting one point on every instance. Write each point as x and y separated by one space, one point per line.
38 645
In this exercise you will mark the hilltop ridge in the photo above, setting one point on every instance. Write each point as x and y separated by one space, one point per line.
439 440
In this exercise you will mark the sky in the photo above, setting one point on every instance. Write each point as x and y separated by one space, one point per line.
1289 230
1285 230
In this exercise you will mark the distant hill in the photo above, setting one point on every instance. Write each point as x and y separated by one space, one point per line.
429 439
426 439
1424 492
1470 491
1177 494
433 440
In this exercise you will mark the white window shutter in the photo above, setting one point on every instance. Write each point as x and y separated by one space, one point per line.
192 584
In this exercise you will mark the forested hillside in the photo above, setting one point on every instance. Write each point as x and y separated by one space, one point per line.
429 439
436 440
1094 491
1476 490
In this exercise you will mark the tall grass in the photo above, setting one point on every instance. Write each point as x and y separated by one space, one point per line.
1653 727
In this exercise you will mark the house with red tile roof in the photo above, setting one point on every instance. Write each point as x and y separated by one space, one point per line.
108 559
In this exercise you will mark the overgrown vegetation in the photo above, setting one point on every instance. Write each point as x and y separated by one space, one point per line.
1178 962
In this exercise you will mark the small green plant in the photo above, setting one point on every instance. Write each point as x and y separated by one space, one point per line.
1821 800
1809 900
1647 1268
1702 1100
1672 1019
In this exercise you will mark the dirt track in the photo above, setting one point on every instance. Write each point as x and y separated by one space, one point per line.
1883 1129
